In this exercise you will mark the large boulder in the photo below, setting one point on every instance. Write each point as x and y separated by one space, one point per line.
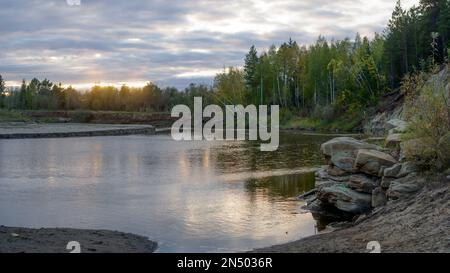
392 171
341 152
362 183
343 161
404 187
400 170
345 199
372 161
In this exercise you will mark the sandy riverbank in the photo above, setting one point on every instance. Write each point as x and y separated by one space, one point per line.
420 223
55 130
55 240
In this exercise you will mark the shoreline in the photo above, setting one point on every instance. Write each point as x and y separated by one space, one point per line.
65 130
55 240
418 224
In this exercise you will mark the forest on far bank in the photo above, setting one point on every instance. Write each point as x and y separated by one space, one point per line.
324 80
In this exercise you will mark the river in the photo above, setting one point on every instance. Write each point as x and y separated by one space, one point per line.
187 196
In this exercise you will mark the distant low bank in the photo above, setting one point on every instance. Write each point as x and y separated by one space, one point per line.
59 130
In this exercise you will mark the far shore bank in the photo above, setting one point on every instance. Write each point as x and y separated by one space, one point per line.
55 240
62 130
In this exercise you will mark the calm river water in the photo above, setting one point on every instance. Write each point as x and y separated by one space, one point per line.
187 196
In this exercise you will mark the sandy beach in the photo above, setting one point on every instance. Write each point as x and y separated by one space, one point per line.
55 240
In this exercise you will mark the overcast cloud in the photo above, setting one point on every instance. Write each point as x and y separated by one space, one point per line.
169 42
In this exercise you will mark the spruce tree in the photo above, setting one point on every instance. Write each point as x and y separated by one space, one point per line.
250 69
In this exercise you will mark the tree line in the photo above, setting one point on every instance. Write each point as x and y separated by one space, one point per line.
325 79
37 95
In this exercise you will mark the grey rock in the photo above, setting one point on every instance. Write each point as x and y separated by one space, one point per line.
345 144
345 199
307 195
404 187
326 183
386 182
371 161
379 198
392 171
331 174
407 168
376 126
362 183
400 170
315 205
319 210
393 140
342 151
381 171
335 171
397 124
343 161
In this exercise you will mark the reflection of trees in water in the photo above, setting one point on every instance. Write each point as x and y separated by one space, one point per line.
295 151
286 186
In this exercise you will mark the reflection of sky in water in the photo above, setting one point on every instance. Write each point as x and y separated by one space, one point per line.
188 196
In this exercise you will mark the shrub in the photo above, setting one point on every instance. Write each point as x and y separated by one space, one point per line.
428 114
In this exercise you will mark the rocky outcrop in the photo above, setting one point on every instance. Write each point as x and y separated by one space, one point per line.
359 177
389 111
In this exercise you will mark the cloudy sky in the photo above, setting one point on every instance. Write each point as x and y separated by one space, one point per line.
170 42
